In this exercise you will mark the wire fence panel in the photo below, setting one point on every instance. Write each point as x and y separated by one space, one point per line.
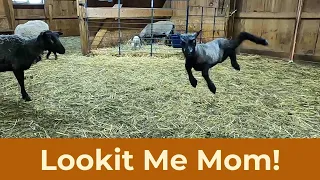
155 27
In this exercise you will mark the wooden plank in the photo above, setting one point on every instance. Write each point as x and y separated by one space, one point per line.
83 28
43 17
103 13
317 45
300 6
277 15
30 17
8 6
97 39
307 37
308 15
284 55
311 6
69 27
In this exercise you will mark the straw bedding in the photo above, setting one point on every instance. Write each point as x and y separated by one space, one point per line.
135 96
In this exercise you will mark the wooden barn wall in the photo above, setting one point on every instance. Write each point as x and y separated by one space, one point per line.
61 15
210 12
127 3
200 10
4 23
275 20
5 18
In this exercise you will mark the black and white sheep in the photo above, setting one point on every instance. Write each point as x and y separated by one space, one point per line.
32 29
202 57
17 54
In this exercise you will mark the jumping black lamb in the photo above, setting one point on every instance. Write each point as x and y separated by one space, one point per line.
202 57
17 54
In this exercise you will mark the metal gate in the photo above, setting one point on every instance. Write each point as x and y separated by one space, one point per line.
110 26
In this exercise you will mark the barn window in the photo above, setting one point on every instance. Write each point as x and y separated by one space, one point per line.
28 2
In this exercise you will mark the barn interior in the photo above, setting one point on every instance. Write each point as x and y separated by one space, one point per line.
90 92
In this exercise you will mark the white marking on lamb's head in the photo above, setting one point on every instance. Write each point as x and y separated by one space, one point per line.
188 43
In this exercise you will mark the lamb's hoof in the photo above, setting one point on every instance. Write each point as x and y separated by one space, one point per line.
194 82
27 98
213 89
265 42
236 66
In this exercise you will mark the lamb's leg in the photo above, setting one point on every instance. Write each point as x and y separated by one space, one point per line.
233 57
39 58
20 77
205 74
48 55
55 55
192 80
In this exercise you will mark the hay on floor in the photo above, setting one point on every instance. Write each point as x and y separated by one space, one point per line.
138 96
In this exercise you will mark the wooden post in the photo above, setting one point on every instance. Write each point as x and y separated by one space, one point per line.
231 19
226 19
296 31
48 11
83 27
10 13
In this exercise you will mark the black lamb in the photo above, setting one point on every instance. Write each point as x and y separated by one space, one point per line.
17 54
202 57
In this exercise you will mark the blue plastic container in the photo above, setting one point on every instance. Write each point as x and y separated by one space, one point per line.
176 41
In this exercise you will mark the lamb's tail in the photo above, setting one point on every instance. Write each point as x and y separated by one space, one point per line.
247 36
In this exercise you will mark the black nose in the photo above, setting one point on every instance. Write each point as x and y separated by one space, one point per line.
62 51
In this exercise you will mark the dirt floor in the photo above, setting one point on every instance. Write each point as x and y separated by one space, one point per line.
108 96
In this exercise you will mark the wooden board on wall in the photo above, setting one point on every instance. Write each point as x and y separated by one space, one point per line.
213 14
307 38
279 31
2 10
64 15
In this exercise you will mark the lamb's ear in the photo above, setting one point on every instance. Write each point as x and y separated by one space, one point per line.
197 33
45 33
58 33
42 33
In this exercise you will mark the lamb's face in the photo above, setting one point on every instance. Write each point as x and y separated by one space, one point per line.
51 41
188 44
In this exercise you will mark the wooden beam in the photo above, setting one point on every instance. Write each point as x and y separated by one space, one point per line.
266 15
49 11
280 15
83 27
44 17
31 18
306 15
231 20
296 31
104 13
98 38
10 13
282 55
